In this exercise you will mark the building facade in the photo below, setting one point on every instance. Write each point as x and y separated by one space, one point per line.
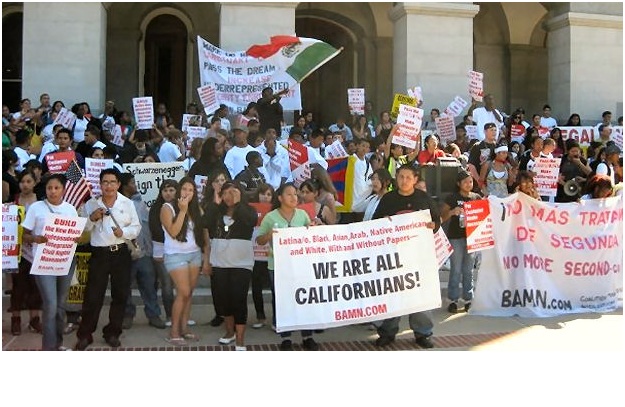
569 55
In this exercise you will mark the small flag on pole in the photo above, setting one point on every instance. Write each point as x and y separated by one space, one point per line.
77 188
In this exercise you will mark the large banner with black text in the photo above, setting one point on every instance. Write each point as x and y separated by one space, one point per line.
329 276
550 260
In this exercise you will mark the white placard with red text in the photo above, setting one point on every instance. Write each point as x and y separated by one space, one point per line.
329 276
476 85
144 112
10 244
444 249
446 129
409 122
208 97
479 225
66 118
552 259
335 150
194 132
299 161
356 100
546 178
456 107
93 168
55 257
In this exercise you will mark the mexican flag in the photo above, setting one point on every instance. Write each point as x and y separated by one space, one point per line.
297 56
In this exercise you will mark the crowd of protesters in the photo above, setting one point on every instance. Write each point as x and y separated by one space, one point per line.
245 159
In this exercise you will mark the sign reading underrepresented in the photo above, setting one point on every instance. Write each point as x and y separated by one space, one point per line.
328 276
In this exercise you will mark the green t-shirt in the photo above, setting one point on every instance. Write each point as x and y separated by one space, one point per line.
273 220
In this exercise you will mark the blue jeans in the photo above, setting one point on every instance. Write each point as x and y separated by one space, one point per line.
461 269
167 287
142 270
53 290
420 323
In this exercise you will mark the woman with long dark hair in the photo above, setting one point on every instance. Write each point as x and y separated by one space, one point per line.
211 159
185 251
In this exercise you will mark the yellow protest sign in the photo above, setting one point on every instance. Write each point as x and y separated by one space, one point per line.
401 100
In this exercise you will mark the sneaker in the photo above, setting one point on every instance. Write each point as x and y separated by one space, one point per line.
69 328
310 344
127 322
168 323
259 324
156 322
452 308
35 325
286 345
383 341
191 322
467 306
424 342
216 321
226 341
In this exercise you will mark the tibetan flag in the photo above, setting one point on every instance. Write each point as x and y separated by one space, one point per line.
77 188
298 57
341 171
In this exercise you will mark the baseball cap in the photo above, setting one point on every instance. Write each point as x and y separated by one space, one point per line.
240 128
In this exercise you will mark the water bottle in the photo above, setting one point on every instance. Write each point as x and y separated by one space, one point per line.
461 220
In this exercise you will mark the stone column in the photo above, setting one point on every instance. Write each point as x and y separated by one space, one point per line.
433 48
245 24
65 53
585 64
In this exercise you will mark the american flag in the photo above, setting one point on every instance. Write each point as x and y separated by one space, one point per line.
77 188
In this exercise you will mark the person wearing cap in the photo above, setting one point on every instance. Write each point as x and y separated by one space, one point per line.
461 261
253 175
606 167
235 159
573 166
230 228
270 112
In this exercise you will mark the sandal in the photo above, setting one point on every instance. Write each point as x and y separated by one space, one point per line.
176 341
191 336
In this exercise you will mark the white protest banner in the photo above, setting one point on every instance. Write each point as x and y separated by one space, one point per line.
239 79
552 259
190 120
335 150
617 136
144 112
117 136
194 132
10 241
471 130
443 247
55 257
416 93
356 100
150 176
400 99
456 107
66 118
93 168
200 184
584 135
479 225
409 122
476 85
446 129
208 97
546 178
329 276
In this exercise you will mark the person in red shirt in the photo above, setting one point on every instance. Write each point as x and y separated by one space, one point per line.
431 152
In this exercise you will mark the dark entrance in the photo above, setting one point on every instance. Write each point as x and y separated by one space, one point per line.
166 64
12 29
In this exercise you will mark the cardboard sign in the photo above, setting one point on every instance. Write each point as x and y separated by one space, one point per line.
479 225
456 107
444 249
476 85
409 122
10 241
356 100
546 178
59 161
93 168
208 97
144 112
517 133
400 99
65 118
55 257
446 129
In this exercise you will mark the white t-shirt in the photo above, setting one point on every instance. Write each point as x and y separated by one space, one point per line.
225 124
47 132
79 129
235 159
169 152
36 215
481 116
549 122
173 246
22 157
362 183
48 147
314 156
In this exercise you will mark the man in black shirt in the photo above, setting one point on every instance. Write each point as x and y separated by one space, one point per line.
270 110
406 198
481 152
251 177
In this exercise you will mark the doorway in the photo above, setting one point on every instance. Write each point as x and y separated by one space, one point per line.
166 64
12 33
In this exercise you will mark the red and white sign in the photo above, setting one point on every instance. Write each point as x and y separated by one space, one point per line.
479 225
59 162
144 112
517 133
194 132
584 135
335 150
456 107
10 243
65 118
299 161
446 129
261 252
544 132
476 85
552 259
444 249
208 97
55 257
356 100
93 168
546 178
409 122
